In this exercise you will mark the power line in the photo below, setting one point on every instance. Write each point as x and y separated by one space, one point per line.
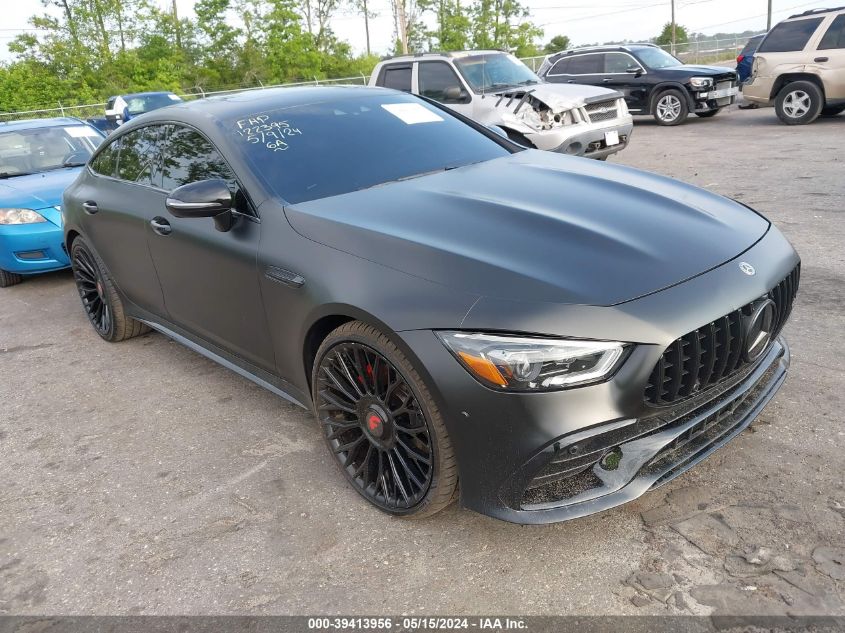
754 17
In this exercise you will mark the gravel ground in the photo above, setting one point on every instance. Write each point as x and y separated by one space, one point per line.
141 478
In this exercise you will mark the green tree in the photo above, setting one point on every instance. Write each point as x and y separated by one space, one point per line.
556 44
665 37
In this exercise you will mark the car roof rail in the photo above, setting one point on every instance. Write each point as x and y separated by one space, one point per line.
815 12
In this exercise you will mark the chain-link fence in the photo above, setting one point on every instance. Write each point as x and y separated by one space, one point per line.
693 52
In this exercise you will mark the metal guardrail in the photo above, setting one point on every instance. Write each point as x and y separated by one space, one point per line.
696 51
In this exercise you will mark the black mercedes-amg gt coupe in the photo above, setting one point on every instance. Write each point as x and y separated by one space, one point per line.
540 336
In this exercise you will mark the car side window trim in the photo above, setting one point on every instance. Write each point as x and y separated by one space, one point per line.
635 60
253 213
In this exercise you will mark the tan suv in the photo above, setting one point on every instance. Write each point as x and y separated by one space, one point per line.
800 67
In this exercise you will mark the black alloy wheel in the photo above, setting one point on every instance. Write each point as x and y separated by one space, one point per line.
378 426
100 300
92 291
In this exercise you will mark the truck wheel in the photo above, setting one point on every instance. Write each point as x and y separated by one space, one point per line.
670 108
9 279
799 103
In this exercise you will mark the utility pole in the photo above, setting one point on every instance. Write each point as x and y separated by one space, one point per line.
673 26
366 24
402 25
769 18
176 27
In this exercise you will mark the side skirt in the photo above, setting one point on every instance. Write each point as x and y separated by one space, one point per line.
238 365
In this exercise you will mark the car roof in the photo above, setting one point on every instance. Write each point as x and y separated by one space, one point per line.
604 48
32 124
252 102
450 54
814 12
146 94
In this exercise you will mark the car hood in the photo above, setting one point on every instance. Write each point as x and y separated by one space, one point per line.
561 96
36 191
537 226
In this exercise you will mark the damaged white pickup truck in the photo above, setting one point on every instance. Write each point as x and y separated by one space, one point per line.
496 89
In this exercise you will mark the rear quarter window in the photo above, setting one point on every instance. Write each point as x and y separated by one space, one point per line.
396 77
790 36
105 162
835 36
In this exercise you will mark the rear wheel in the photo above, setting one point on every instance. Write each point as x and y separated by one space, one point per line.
799 103
670 108
9 279
709 113
100 300
833 110
381 424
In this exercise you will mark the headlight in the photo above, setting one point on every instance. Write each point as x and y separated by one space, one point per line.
20 216
623 107
700 83
518 363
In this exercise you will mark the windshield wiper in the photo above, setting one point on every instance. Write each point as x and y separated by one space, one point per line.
419 175
12 174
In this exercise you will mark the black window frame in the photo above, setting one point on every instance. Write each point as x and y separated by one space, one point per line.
781 28
838 23
464 100
243 204
382 76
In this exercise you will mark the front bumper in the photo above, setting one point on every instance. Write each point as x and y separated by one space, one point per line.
715 99
32 248
590 143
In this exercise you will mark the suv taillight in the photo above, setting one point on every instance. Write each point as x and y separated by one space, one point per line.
739 58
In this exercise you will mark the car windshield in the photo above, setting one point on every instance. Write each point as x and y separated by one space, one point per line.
39 149
328 148
495 70
657 58
140 104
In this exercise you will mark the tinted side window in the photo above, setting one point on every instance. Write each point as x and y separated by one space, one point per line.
618 63
139 154
586 64
835 36
106 161
561 67
396 77
435 78
790 36
187 156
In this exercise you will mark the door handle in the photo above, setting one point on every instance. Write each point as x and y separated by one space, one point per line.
161 226
606 80
571 81
821 59
90 207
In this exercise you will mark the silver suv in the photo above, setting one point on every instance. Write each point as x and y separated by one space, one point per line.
800 67
496 89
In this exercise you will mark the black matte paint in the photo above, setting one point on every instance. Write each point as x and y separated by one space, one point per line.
531 242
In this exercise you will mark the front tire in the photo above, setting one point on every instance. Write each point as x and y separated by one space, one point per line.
102 305
381 424
9 279
799 103
670 108
709 114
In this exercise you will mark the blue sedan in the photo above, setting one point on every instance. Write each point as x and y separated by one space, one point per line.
38 159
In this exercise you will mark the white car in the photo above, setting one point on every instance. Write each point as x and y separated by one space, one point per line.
496 89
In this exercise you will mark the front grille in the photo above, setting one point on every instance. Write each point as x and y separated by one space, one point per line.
713 352
602 111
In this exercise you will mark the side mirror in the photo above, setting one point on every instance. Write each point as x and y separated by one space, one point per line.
203 199
454 93
634 70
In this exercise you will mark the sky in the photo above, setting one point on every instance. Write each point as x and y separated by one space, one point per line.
584 21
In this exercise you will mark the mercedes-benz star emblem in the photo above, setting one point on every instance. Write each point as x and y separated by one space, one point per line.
759 328
747 268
